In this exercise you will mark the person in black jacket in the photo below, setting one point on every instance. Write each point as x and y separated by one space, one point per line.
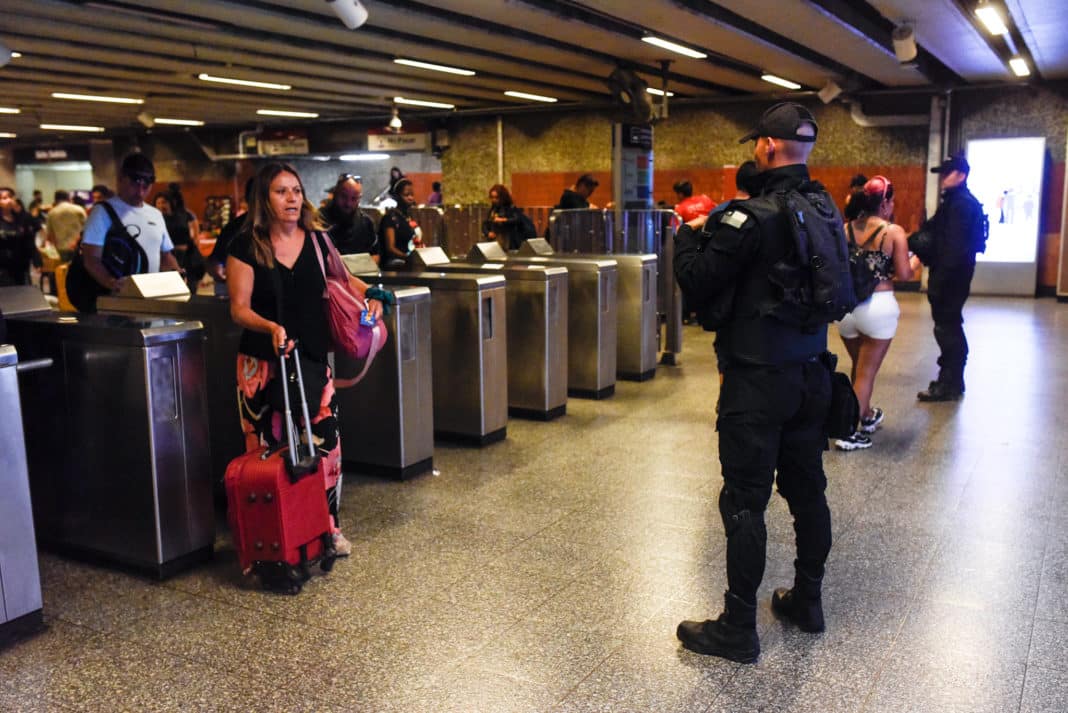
956 233
17 247
503 223
774 398
351 230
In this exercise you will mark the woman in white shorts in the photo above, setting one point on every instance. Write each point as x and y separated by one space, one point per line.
869 328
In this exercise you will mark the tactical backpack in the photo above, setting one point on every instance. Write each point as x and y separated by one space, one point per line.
812 282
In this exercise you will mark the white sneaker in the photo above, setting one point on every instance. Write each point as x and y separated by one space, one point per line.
855 442
869 425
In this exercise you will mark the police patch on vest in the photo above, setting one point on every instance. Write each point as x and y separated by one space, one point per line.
734 218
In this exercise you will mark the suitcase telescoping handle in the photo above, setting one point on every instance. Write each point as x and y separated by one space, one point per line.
299 466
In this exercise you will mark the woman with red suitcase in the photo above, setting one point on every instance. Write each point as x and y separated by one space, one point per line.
276 289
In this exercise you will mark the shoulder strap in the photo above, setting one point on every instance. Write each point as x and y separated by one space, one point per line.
110 210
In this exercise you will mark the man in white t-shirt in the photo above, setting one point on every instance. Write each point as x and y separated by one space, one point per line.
143 222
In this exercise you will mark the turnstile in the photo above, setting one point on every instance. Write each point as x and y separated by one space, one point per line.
592 320
536 301
469 346
386 420
639 327
223 335
20 578
118 456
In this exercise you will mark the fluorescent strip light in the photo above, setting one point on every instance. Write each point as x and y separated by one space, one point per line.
96 98
15 55
658 92
532 97
180 122
780 81
992 19
293 114
435 67
6 135
243 82
678 49
1019 67
71 127
9 110
420 102
363 157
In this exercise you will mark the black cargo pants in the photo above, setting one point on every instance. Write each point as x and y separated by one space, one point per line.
947 291
771 430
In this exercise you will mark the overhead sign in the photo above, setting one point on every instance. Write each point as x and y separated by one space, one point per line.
49 154
279 142
398 142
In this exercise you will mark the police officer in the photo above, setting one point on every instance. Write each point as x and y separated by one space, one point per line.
956 233
775 393
350 229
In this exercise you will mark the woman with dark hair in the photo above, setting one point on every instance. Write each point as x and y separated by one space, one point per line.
17 248
503 223
869 328
276 293
178 228
398 233
857 181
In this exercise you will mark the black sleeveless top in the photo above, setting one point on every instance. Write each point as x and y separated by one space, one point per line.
304 313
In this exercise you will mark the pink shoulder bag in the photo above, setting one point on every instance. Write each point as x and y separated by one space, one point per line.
349 335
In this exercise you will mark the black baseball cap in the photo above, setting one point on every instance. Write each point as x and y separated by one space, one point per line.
784 121
951 164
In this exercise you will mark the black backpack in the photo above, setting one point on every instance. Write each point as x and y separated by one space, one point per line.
864 282
813 284
981 231
526 226
121 255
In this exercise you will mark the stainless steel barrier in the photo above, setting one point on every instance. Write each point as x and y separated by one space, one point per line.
463 228
20 594
537 303
469 345
581 231
119 457
386 420
592 321
223 335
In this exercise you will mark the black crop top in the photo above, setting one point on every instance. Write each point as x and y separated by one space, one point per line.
879 263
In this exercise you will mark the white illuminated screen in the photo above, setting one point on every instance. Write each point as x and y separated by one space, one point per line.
1006 177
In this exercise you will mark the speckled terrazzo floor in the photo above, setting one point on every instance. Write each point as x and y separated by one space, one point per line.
548 572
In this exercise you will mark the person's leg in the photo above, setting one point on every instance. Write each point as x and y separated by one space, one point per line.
802 482
327 435
852 345
947 305
257 422
869 358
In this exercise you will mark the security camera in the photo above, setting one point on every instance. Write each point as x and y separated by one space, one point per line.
904 40
351 12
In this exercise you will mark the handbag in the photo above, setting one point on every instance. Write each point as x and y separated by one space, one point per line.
351 335
843 414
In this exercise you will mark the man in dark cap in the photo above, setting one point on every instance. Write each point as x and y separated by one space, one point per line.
956 232
775 393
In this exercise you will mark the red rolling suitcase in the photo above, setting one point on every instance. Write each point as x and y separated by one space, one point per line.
277 505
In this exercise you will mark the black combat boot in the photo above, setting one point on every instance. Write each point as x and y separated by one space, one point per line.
732 636
803 605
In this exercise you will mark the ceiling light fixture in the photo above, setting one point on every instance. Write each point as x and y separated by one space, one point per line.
180 122
395 123
7 135
676 48
352 13
243 82
71 127
96 98
292 114
421 102
658 92
780 81
531 97
1019 67
991 18
10 110
434 67
363 157
16 55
